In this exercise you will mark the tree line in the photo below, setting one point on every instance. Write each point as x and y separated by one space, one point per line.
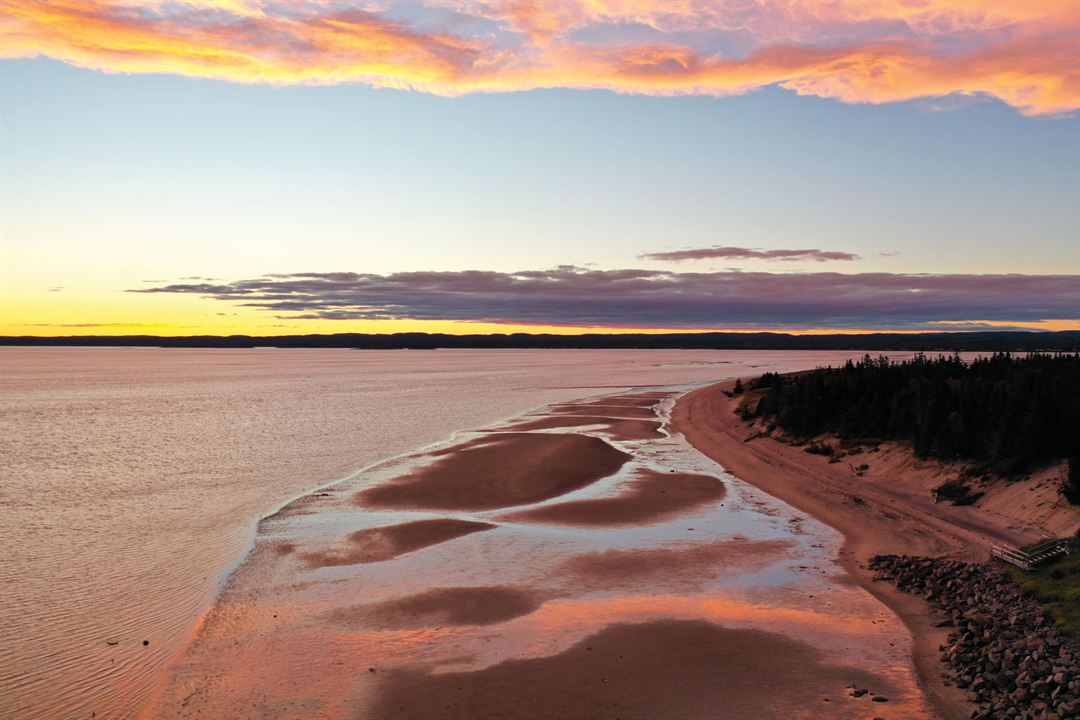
1005 413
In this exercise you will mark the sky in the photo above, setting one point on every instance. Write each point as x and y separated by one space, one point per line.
263 167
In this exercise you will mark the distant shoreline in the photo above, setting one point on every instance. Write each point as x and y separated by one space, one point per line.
979 341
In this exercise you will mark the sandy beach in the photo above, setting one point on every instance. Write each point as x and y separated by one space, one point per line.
887 509
377 359
557 565
111 445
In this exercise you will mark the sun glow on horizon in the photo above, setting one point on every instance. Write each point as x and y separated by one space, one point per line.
52 314
573 166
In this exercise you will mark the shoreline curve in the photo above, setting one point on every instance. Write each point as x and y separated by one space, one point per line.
706 419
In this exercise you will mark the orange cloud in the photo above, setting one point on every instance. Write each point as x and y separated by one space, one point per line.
787 20
1026 54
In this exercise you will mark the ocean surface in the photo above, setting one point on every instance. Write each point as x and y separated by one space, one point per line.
131 479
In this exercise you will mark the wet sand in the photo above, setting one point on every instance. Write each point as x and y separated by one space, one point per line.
634 400
683 568
660 669
444 606
610 411
151 467
385 543
498 470
889 509
650 496
558 571
615 428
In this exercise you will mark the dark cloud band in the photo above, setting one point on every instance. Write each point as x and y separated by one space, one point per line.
574 296
740 253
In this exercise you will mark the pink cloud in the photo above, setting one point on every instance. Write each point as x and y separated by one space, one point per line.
1026 54
740 253
574 296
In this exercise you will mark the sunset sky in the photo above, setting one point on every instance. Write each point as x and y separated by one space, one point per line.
266 167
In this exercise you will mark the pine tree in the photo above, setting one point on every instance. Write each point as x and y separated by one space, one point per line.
1006 413
1071 488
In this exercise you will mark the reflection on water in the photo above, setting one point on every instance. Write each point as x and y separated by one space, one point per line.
131 478
663 614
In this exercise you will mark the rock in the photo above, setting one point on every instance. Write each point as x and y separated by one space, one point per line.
1004 650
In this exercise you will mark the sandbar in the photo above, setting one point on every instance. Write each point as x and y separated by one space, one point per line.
386 543
500 470
650 497
610 411
663 669
617 428
682 566
440 607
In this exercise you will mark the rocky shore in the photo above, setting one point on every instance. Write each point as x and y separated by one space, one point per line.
1004 650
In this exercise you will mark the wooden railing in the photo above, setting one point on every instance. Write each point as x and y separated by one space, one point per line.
1034 555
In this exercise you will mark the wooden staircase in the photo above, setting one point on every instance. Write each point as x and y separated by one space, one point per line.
1034 555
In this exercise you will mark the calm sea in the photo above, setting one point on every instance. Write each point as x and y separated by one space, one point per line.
130 479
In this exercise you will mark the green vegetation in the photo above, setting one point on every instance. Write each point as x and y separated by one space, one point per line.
1007 414
957 492
1056 585
820 449
768 380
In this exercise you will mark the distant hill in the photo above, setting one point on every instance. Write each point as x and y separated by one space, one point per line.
956 341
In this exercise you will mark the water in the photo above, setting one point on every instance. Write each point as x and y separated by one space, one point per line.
731 605
132 478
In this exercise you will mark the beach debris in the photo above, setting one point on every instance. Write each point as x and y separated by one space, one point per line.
145 643
112 641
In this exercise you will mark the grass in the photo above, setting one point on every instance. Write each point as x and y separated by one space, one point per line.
1056 585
